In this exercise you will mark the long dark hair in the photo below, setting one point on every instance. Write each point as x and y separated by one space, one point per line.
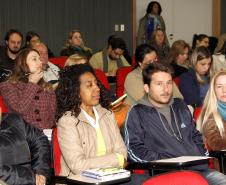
68 90
21 70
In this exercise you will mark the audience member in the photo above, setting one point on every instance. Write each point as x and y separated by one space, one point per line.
200 40
212 119
8 53
219 60
194 84
50 71
33 37
75 59
87 132
178 56
144 55
126 53
159 42
150 22
220 43
161 127
110 59
75 45
24 152
27 94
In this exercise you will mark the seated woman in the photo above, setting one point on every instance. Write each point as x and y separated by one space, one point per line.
75 59
75 45
219 60
24 152
159 42
178 57
32 38
87 131
134 86
200 40
195 83
27 94
212 119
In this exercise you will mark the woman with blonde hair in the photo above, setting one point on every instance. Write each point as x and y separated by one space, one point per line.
194 84
212 120
75 59
75 45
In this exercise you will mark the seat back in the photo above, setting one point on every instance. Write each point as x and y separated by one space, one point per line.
2 105
59 61
103 78
177 178
176 80
120 78
197 112
56 153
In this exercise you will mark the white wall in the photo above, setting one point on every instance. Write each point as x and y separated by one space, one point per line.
183 18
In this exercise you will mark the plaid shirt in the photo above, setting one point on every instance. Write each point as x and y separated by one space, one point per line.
29 100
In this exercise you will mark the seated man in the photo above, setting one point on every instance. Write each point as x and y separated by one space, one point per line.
8 53
160 126
50 70
24 152
110 58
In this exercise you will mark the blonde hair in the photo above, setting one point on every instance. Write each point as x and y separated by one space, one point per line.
209 107
198 54
74 59
70 35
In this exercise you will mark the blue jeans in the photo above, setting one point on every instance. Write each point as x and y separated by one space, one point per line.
214 177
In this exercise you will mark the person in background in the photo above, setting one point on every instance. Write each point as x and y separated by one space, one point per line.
27 94
144 55
126 53
159 42
75 45
162 127
9 52
50 71
110 59
87 131
212 119
33 37
178 57
194 84
75 59
150 22
219 60
200 40
220 43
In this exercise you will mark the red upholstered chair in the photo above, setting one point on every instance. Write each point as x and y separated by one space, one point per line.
2 105
197 112
177 80
59 61
56 153
103 78
177 178
120 78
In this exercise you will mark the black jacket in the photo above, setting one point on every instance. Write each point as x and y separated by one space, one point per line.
24 151
149 137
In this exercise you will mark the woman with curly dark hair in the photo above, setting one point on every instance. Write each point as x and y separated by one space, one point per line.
87 131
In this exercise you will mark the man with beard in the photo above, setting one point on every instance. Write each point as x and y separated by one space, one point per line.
111 58
8 53
161 127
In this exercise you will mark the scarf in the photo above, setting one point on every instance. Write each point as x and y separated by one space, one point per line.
221 107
